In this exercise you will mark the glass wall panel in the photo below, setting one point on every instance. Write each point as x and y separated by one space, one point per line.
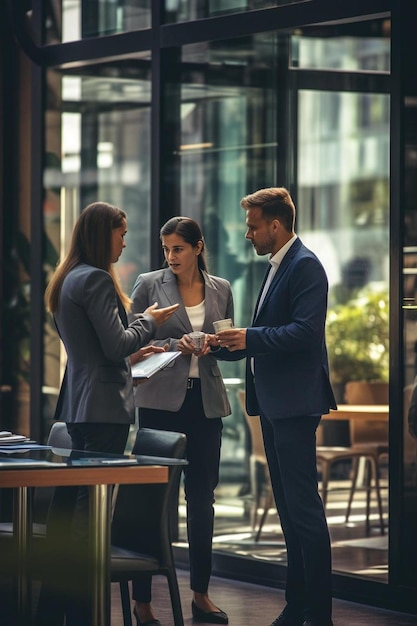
342 50
185 10
343 216
406 564
97 148
228 141
246 124
71 20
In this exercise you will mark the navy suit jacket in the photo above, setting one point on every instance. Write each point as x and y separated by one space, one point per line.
287 342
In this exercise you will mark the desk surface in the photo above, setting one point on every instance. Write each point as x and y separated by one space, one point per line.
56 467
51 467
365 412
60 477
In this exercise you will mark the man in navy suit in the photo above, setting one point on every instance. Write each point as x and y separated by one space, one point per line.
287 384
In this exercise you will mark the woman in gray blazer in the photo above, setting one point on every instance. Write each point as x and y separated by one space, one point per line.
96 396
188 396
89 309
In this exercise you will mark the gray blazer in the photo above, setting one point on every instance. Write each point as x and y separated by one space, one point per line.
166 390
92 323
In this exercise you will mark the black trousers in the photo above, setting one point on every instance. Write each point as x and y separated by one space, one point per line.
65 588
290 446
201 476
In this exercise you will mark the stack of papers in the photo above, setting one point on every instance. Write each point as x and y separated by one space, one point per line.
9 439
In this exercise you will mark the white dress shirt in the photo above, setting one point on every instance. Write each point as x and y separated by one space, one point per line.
275 262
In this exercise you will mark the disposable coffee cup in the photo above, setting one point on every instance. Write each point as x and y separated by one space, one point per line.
222 325
198 339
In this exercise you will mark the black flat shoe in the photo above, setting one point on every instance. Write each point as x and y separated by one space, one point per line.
152 622
208 617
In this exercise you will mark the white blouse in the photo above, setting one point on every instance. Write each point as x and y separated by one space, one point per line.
196 316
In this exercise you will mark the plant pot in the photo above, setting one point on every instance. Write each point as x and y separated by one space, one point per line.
366 392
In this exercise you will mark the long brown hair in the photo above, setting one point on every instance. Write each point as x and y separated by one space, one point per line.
91 243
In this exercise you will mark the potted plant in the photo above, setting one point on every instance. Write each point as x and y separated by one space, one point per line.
357 335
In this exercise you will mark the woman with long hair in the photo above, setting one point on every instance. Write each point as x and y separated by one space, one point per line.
197 398
96 396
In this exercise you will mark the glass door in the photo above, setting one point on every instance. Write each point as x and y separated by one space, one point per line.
311 112
97 138
343 199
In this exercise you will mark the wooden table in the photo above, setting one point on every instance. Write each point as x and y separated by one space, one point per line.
365 412
99 478
358 416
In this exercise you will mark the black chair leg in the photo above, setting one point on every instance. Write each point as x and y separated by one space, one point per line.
353 485
125 597
175 598
267 506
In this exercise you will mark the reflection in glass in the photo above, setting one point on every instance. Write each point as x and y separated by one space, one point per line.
72 20
332 149
409 310
185 10
97 148
343 50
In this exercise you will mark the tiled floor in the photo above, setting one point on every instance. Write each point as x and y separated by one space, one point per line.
353 552
248 604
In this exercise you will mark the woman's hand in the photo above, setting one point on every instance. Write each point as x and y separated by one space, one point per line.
185 346
161 315
142 353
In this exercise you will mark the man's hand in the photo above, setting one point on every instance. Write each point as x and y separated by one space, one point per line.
233 339
161 315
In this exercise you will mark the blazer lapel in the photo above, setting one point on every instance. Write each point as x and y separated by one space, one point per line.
169 286
210 295
122 312
278 274
255 313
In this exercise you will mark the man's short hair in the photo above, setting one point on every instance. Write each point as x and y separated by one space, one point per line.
275 203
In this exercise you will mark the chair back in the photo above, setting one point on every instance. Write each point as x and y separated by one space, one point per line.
164 443
255 430
367 431
59 437
141 518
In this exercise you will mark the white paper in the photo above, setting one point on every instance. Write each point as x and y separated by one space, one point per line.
12 439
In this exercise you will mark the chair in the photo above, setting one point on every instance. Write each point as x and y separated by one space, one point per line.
141 539
369 441
260 482
327 456
58 438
